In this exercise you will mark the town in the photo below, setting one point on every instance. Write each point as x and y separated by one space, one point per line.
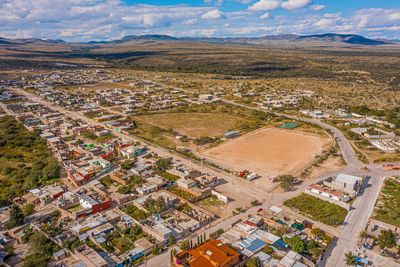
126 189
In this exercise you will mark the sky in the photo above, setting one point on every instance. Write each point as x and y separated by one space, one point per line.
87 20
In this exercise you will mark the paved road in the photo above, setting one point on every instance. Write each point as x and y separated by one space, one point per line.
355 221
345 146
252 192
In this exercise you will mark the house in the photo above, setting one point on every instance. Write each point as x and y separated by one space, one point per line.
131 256
100 162
96 205
128 152
328 193
212 253
186 183
346 183
121 176
144 244
207 180
189 173
231 134
48 193
291 259
208 98
90 257
87 202
131 152
147 188
349 181
61 254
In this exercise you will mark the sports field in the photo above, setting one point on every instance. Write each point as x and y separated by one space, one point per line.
195 125
269 151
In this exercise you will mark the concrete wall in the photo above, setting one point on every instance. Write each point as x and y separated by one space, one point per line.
220 196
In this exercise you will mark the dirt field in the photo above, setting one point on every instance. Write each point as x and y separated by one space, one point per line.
195 124
269 151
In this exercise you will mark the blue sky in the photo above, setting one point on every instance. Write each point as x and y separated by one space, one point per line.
85 20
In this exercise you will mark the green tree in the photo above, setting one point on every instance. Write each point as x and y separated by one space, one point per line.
350 258
185 245
253 262
127 164
124 190
318 233
28 209
386 239
316 252
217 233
171 240
164 164
155 251
17 217
173 252
268 250
286 182
312 244
297 244
36 260
40 244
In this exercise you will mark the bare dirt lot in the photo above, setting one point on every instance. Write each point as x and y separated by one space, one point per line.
195 124
269 151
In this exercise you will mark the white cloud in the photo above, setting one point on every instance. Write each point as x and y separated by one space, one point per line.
329 20
377 17
266 15
265 5
153 20
217 2
213 15
84 20
296 4
317 7
190 22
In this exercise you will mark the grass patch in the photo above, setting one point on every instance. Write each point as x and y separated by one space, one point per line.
195 124
122 243
211 201
181 193
136 213
99 139
387 209
168 176
75 208
318 209
107 181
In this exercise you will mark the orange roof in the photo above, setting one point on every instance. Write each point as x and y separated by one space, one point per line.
213 253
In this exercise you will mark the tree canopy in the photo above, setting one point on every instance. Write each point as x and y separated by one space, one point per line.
25 160
386 239
17 217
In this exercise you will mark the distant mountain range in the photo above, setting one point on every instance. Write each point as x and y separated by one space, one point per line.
291 38
343 38
30 40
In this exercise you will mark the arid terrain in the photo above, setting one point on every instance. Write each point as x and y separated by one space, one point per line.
269 151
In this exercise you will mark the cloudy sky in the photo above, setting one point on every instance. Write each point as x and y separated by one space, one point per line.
84 20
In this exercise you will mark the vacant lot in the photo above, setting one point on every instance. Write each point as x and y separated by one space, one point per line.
388 206
318 209
269 151
195 125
